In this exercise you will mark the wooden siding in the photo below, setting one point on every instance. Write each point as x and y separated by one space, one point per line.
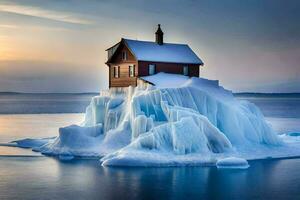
124 80
117 57
174 68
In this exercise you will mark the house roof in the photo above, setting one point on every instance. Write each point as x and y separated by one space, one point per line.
168 52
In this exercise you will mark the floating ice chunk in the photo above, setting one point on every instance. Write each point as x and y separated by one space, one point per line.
294 134
232 163
292 137
75 140
65 157
31 143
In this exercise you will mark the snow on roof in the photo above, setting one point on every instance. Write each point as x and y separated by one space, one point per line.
165 80
174 53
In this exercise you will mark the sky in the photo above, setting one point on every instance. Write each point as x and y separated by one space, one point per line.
59 46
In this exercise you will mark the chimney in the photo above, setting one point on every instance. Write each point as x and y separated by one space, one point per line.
159 36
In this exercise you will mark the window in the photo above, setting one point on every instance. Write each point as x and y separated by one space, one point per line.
124 55
117 71
185 70
131 70
151 69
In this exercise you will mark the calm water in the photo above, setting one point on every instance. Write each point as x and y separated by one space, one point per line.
283 107
11 103
38 177
47 178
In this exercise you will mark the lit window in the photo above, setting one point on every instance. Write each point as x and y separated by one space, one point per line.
151 69
117 71
124 55
131 70
185 70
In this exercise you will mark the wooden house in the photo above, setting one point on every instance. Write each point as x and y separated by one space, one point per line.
130 60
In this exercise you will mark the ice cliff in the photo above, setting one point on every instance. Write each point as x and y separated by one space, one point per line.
179 121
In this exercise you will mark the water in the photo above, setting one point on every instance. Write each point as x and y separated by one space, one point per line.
27 175
282 111
13 127
47 178
283 106
14 103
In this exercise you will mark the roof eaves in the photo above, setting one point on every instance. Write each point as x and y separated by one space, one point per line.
193 63
126 44
112 46
146 81
201 63
108 61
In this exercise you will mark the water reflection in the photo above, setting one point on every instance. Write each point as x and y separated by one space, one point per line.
47 178
13 151
14 127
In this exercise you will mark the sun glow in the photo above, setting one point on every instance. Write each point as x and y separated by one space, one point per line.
8 49
4 49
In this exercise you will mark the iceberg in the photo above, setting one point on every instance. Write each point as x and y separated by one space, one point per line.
232 163
177 121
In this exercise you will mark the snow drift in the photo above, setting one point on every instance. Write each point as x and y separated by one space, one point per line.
179 121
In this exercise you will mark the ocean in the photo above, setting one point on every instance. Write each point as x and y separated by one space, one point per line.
28 175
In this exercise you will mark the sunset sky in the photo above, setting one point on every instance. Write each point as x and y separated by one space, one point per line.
59 46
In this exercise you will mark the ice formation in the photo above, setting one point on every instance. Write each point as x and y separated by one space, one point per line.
179 121
232 163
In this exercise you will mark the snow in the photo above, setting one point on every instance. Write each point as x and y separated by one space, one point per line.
29 143
168 52
232 163
193 122
159 79
283 125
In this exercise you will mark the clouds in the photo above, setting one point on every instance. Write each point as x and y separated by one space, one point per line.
247 45
44 13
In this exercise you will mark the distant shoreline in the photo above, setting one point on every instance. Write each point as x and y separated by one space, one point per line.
49 93
55 103
257 94
92 93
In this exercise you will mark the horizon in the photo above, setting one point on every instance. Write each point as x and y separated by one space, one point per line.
51 47
91 92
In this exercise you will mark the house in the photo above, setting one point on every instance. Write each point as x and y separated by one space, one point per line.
129 60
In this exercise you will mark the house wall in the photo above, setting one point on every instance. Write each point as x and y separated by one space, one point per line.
174 68
141 68
124 79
